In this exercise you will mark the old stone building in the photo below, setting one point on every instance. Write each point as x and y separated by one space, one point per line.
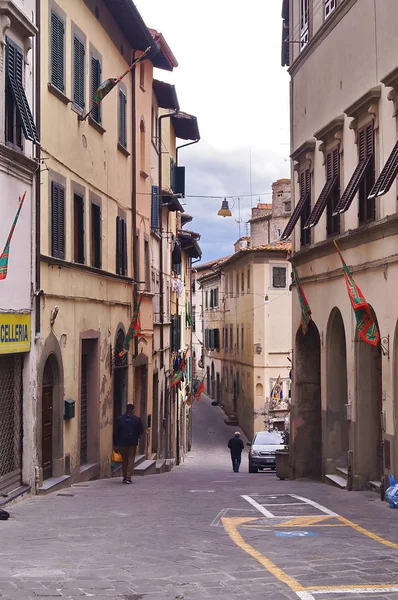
268 221
344 153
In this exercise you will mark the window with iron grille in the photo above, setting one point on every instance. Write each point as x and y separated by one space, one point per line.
305 191
333 171
279 277
304 23
330 5
57 220
121 246
57 52
79 69
95 235
367 205
95 83
122 119
18 116
10 422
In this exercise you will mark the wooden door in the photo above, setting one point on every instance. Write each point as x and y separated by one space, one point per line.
47 431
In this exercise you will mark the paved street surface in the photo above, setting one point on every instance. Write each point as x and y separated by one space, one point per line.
201 532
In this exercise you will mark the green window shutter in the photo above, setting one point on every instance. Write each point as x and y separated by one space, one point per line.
95 83
118 246
15 77
57 52
122 119
78 73
155 207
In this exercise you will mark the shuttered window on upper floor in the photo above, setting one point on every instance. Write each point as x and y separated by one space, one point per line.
121 246
364 169
79 67
303 206
155 201
57 220
57 52
328 191
387 175
17 111
122 119
95 83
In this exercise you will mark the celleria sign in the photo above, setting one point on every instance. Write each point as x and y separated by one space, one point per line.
14 333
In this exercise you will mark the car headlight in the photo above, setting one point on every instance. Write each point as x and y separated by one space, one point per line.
255 453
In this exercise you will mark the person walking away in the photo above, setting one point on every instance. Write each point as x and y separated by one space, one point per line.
236 446
127 433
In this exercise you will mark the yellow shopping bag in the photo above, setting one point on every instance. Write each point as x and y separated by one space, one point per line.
116 456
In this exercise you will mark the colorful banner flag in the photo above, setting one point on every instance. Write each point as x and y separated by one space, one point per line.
305 307
5 254
108 85
200 390
134 329
179 374
188 400
366 325
277 393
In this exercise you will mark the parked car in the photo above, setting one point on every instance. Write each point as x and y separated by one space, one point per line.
262 451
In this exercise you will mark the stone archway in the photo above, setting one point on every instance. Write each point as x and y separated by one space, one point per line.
336 432
368 426
306 419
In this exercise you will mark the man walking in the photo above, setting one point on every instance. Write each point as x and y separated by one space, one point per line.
235 445
128 430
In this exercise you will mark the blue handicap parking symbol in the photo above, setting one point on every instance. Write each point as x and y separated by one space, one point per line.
287 534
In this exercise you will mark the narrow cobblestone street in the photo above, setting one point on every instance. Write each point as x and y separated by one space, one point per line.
201 532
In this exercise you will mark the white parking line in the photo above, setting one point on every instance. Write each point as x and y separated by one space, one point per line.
315 505
305 596
258 506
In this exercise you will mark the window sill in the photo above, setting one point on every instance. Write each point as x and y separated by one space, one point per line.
77 109
96 125
155 233
58 94
123 150
144 175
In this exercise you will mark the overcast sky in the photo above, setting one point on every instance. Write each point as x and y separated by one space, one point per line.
229 76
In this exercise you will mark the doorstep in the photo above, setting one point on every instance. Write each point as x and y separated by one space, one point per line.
53 483
89 472
17 493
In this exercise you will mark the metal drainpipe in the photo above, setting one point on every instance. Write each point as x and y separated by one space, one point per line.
38 178
161 299
184 146
134 194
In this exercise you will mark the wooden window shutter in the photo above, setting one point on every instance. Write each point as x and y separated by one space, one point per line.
57 52
155 200
329 165
95 83
118 246
122 119
15 74
362 144
96 233
57 220
124 234
369 140
78 73
336 162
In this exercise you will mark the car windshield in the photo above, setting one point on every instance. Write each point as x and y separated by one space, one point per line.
269 438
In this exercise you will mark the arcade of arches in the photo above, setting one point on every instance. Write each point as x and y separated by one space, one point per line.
329 433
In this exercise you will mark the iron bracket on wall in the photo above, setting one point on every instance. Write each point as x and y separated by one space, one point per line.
385 345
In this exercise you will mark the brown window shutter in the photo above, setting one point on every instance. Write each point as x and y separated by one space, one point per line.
336 162
124 233
362 144
329 165
118 246
369 140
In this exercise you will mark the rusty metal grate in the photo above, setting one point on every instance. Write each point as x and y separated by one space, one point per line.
10 422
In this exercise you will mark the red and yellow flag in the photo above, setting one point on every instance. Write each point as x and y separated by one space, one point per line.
366 325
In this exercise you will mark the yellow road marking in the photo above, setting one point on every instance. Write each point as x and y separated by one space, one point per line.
282 525
368 533
304 521
231 527
364 586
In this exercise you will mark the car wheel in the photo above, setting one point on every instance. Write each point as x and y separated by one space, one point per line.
252 469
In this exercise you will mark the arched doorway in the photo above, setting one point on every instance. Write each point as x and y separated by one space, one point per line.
306 428
47 419
336 440
368 432
120 368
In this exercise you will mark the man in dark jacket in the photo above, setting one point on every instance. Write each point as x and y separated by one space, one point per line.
236 446
127 433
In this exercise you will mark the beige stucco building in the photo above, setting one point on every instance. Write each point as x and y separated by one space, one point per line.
343 130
